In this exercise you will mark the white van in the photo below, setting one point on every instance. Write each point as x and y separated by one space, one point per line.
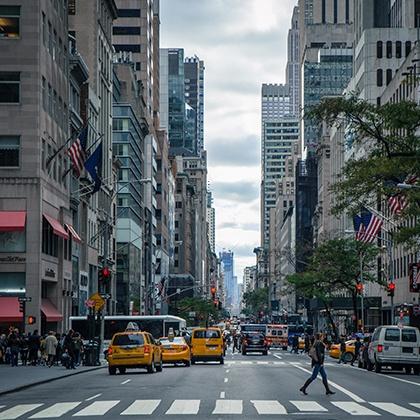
397 347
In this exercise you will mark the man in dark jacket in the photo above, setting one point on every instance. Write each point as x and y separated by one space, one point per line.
69 349
34 344
357 347
342 351
317 354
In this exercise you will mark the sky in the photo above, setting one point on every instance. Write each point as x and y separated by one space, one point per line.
243 44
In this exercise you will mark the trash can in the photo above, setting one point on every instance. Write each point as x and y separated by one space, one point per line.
91 353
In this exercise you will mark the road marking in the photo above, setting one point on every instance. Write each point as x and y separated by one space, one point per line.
17 411
184 407
227 370
277 356
296 363
93 397
339 387
268 407
417 405
56 410
141 407
222 394
279 363
395 409
308 406
399 379
262 363
228 407
246 362
126 382
97 408
354 409
226 380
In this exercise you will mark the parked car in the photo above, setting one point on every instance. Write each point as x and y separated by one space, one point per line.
396 347
254 342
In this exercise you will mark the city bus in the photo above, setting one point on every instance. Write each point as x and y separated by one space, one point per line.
157 325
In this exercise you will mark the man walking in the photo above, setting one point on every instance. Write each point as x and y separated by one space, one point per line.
342 351
51 348
357 347
317 353
69 349
34 345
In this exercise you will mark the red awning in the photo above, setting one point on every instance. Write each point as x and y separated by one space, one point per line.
73 233
12 221
9 309
57 227
50 311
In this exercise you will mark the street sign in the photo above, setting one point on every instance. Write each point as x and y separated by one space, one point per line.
99 301
105 296
191 314
25 299
89 303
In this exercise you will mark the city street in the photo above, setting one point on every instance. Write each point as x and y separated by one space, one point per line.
244 387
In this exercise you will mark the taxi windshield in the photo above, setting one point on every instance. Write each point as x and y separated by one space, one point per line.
207 334
128 340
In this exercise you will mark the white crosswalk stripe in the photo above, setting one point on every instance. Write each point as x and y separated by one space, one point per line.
228 407
56 410
308 406
97 408
395 409
184 407
141 408
17 411
354 408
268 407
417 405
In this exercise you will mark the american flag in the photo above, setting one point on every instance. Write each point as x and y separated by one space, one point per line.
367 226
77 151
398 202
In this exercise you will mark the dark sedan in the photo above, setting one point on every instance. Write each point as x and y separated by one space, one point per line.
254 342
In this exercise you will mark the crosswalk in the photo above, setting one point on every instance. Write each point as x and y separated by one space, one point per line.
191 407
269 363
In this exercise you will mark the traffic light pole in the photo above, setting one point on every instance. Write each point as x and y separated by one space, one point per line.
362 303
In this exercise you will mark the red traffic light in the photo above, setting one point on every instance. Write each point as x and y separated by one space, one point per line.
359 287
106 272
31 320
391 286
213 290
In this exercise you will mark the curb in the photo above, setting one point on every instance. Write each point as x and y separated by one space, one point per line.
44 381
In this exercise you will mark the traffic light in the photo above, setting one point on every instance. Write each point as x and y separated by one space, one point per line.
104 275
213 292
216 303
21 306
391 289
31 320
359 288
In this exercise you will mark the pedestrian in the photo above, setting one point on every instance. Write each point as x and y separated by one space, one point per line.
14 345
24 349
317 354
295 344
78 348
51 348
3 346
34 344
69 349
342 351
235 343
307 343
357 347
59 349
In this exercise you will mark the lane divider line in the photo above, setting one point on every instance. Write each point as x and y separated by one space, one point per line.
126 382
223 395
226 380
93 397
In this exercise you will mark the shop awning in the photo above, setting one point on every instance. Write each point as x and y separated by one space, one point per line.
50 311
12 221
9 309
73 233
57 227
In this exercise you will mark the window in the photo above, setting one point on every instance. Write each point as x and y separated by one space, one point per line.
392 334
388 49
409 336
379 47
138 66
128 340
379 77
128 12
323 11
9 87
388 76
49 240
407 48
135 48
347 11
44 94
44 30
398 49
9 21
335 11
126 30
9 151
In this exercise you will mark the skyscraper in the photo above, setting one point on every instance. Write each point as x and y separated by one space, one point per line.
293 63
211 221
194 97
226 257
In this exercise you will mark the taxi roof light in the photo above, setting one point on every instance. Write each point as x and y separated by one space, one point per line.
132 326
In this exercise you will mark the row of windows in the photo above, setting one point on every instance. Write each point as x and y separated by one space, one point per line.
389 49
129 12
53 43
54 104
9 22
134 48
9 151
57 167
126 30
9 87
380 77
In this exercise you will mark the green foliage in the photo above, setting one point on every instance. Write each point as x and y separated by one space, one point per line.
204 310
391 153
255 301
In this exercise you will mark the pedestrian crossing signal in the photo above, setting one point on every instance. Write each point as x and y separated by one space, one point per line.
31 320
391 289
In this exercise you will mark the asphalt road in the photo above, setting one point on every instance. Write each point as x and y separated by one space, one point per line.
245 387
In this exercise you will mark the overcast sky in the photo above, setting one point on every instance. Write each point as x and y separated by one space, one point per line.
243 44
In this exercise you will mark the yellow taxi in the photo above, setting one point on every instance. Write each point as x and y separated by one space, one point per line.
349 355
175 350
134 349
207 345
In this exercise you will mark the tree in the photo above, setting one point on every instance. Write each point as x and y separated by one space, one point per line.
391 154
335 268
255 301
205 310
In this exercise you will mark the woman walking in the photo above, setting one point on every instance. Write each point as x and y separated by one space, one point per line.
317 354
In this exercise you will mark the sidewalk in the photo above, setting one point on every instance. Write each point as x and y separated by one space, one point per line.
21 377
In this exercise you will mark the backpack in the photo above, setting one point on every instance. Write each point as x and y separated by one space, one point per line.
312 354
